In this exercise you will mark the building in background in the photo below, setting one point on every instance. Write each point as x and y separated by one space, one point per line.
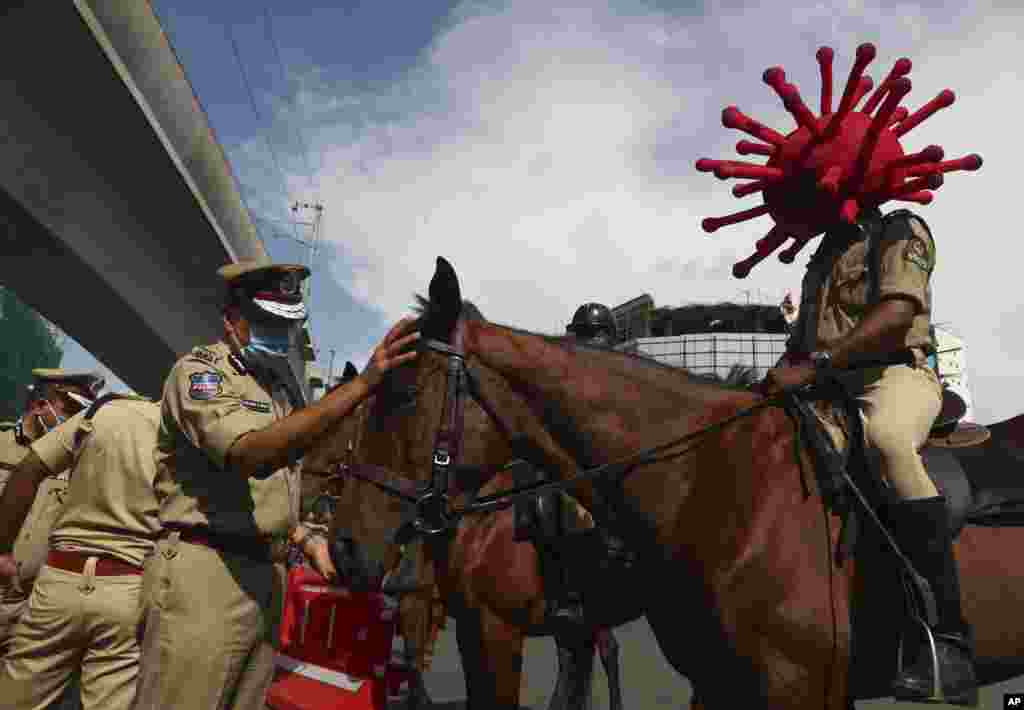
703 338
29 341
715 338
953 366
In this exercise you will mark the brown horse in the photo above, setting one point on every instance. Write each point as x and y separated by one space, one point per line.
488 582
745 595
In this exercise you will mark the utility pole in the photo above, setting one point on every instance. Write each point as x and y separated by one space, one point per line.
330 372
314 243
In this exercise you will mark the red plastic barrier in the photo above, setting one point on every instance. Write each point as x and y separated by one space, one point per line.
348 633
335 648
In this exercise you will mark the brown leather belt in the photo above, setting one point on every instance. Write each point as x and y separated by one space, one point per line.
253 548
75 562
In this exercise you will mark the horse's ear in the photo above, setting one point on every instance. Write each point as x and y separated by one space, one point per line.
350 371
445 299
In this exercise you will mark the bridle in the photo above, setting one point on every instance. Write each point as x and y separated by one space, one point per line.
434 513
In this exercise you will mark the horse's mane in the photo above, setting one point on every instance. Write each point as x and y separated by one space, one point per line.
735 380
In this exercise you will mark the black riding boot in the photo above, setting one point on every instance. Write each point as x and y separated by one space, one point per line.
923 532
565 606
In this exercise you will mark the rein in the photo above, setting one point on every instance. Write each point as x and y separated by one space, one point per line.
434 513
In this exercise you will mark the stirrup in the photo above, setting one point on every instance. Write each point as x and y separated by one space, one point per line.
938 694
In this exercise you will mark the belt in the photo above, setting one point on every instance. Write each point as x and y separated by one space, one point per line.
105 566
253 548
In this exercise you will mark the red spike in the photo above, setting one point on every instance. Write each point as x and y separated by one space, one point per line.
749 188
745 147
788 255
748 170
921 197
900 68
774 77
927 182
969 162
741 269
944 99
898 115
795 105
732 117
771 241
863 87
707 165
931 154
830 180
897 91
824 57
849 211
865 53
713 224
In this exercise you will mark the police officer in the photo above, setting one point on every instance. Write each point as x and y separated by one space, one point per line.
231 431
867 296
54 396
541 519
84 611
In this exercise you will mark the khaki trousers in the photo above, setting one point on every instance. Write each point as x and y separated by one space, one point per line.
11 609
74 621
900 404
206 638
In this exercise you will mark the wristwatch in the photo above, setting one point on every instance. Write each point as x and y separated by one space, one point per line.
821 359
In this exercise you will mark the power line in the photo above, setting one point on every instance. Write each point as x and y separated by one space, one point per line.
288 96
259 117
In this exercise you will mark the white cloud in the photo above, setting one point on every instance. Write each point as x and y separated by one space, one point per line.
552 161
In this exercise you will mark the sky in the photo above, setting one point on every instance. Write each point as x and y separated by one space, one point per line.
546 149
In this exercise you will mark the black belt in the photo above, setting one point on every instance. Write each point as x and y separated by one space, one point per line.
253 548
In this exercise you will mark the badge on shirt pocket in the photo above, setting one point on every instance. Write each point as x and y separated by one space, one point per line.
256 406
205 385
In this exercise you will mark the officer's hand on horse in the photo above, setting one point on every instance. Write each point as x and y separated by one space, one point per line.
781 378
8 568
388 354
319 556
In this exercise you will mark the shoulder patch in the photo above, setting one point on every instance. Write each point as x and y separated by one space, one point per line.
256 406
205 385
918 253
204 355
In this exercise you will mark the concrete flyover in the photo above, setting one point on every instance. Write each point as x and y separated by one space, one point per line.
116 201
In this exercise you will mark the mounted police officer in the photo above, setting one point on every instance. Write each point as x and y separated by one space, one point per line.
232 428
541 519
593 324
867 296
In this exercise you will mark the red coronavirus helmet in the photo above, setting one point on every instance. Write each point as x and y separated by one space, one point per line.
834 165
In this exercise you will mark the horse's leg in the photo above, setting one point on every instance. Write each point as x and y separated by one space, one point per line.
576 666
492 660
608 647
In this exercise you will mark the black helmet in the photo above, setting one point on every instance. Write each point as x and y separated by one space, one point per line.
593 322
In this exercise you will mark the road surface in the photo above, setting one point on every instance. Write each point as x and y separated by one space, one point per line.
648 681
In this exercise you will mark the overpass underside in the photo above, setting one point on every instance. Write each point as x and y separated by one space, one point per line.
116 202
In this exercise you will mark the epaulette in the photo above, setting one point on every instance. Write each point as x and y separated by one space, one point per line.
110 397
7 426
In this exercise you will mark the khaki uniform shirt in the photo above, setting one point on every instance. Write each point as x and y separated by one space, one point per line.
32 543
111 508
835 291
210 400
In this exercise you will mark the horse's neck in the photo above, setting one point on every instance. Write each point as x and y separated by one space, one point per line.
591 399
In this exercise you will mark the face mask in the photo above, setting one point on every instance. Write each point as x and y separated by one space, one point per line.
274 348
